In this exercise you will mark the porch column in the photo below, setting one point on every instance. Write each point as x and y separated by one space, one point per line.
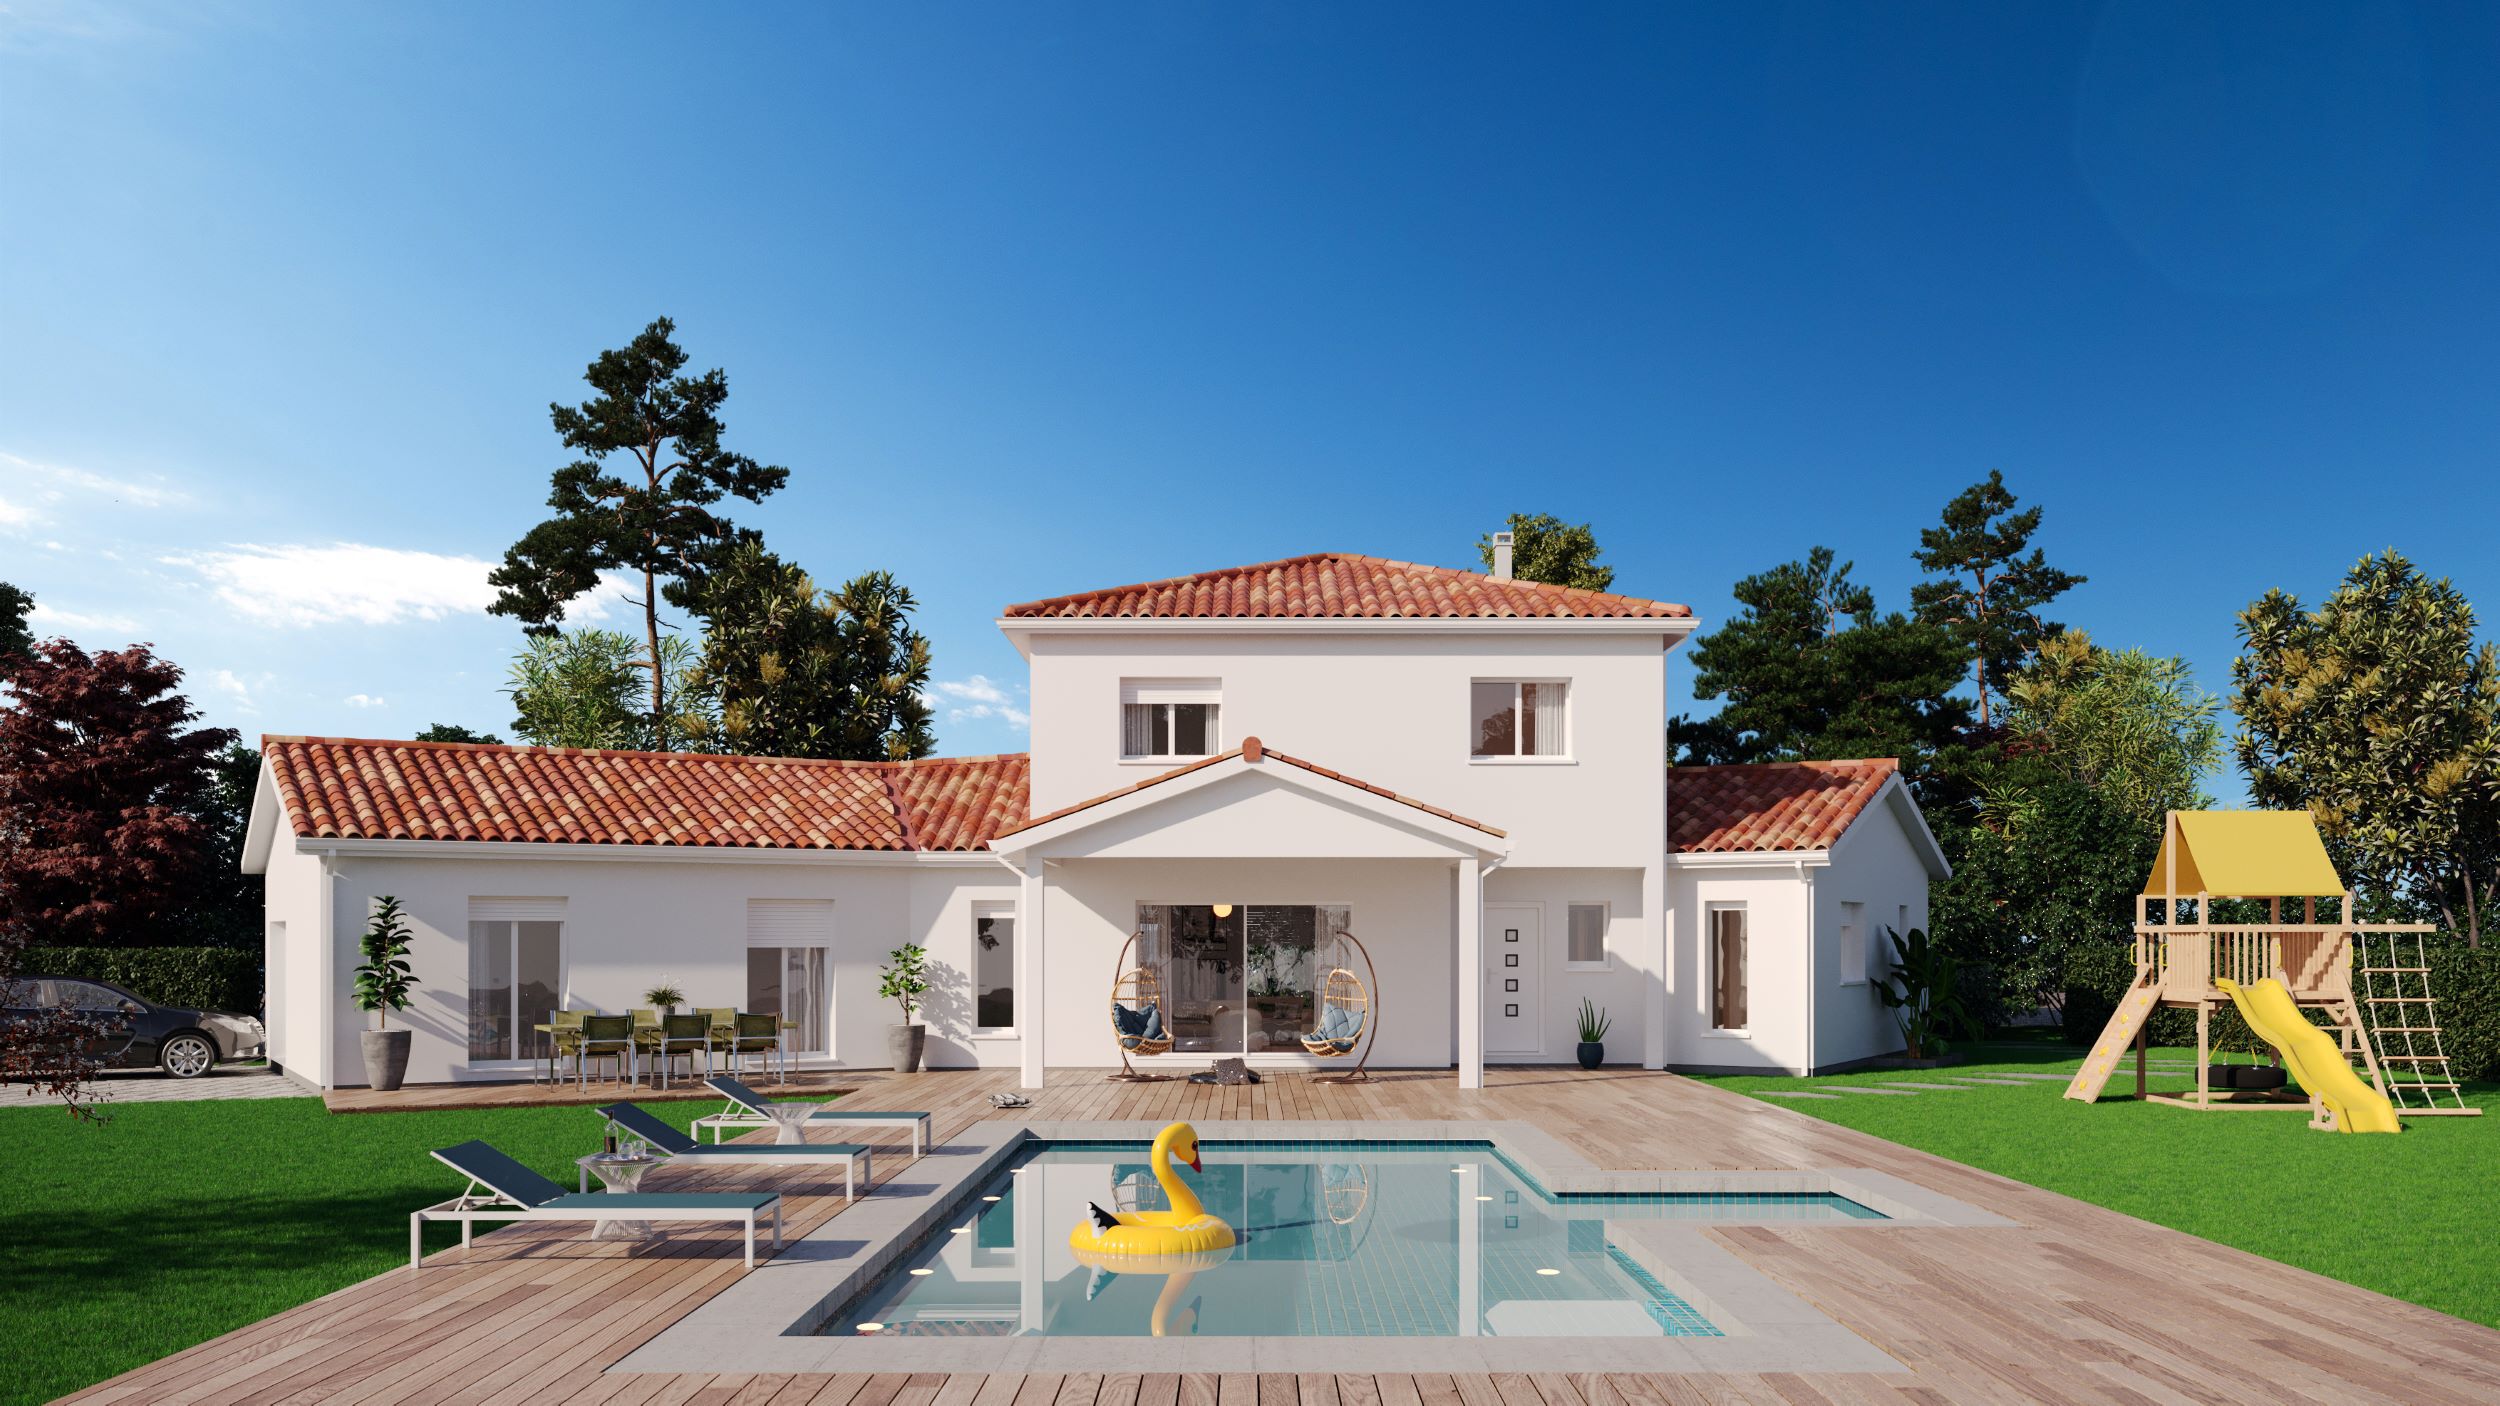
1030 1002
1662 970
1470 973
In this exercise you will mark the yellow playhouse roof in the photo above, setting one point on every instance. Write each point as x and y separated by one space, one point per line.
2244 854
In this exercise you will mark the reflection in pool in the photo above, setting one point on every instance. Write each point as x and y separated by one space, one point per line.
1373 1239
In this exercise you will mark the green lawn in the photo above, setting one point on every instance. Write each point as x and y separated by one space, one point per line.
2413 1216
170 1223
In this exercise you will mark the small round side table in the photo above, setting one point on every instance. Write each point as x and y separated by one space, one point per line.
622 1176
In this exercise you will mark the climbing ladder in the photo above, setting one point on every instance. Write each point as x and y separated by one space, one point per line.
2403 1021
2116 1036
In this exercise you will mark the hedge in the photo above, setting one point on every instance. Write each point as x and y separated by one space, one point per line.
2465 981
203 978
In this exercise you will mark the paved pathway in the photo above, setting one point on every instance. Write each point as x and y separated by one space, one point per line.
155 1086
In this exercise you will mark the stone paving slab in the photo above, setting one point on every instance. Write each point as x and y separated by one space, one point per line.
1792 1093
2001 1083
1862 1089
1942 1088
156 1086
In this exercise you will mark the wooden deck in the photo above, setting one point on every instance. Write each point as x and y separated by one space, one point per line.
533 1093
2075 1303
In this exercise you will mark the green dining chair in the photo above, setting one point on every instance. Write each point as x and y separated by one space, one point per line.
607 1035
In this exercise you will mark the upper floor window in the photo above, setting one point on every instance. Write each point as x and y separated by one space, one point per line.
1519 718
1170 719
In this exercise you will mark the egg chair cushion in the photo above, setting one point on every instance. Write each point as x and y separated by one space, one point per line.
1137 1025
1339 1027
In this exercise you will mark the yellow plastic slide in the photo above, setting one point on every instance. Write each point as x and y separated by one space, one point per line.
2315 1060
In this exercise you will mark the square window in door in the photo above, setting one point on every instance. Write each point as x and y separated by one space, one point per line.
1511 985
1510 959
1510 934
1510 1012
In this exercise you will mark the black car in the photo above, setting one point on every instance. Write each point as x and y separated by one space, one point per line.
138 1034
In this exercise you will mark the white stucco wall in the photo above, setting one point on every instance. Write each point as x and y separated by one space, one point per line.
293 1003
1874 864
1392 709
1777 898
1623 987
629 923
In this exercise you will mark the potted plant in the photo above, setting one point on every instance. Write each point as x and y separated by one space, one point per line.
904 980
1594 1023
382 987
667 996
1924 992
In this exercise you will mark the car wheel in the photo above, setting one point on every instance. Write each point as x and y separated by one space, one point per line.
188 1055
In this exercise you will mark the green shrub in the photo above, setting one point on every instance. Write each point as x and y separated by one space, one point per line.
2464 981
206 978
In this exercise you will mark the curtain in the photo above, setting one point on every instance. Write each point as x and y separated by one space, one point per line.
1728 974
1544 705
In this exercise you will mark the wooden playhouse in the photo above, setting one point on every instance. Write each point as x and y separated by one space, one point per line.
2372 983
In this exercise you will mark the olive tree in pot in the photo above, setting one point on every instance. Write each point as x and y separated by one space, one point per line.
1594 1023
1924 992
904 980
382 987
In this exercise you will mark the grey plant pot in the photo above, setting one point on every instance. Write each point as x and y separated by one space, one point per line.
904 1045
386 1057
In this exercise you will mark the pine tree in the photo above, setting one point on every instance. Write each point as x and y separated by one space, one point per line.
1982 590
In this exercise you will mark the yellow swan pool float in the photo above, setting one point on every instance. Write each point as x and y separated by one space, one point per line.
1186 1229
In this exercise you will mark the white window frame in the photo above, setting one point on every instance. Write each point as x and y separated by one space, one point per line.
1165 693
1710 971
1605 936
1571 722
990 908
1854 972
823 942
516 911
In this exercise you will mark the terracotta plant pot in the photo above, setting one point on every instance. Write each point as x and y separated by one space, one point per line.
904 1044
386 1057
1592 1053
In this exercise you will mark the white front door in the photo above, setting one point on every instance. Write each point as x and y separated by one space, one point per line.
1514 971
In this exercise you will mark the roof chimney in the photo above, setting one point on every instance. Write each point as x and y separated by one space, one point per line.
1501 556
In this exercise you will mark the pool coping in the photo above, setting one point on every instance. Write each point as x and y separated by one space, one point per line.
764 1321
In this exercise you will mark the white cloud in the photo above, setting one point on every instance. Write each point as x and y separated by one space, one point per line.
235 689
49 619
344 581
54 483
15 517
364 700
305 584
979 697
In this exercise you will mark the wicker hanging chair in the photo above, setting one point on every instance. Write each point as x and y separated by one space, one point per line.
1138 989
1342 990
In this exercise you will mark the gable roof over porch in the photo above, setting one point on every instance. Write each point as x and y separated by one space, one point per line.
1220 778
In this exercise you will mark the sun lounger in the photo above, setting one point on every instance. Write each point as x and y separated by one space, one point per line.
501 1189
749 1109
680 1148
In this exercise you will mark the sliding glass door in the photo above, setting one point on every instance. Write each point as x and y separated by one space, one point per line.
1239 978
515 975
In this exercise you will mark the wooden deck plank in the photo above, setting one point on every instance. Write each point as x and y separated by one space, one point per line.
2073 1302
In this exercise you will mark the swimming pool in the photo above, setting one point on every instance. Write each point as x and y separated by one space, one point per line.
1398 1239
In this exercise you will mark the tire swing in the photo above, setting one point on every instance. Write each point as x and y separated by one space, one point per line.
1138 1021
1345 1015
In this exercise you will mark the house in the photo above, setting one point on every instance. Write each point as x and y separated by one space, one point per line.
1466 772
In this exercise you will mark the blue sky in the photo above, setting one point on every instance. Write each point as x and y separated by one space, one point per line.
1038 298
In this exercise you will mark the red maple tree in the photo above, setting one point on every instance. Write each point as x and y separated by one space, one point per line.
101 773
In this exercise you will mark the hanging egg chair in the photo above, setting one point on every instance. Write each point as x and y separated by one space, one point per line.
1138 1016
1344 1012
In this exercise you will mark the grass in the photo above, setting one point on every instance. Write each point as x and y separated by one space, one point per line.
170 1223
2410 1216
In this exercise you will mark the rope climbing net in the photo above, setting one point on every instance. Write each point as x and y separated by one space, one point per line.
2403 1022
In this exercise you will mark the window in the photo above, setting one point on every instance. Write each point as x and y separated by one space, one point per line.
786 943
1242 978
1514 718
1853 967
86 996
1586 944
1170 719
994 968
516 975
1727 968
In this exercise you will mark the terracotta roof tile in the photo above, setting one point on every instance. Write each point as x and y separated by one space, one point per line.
1769 807
356 788
1340 585
1253 750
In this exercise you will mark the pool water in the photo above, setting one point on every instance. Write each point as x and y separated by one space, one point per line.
1370 1239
